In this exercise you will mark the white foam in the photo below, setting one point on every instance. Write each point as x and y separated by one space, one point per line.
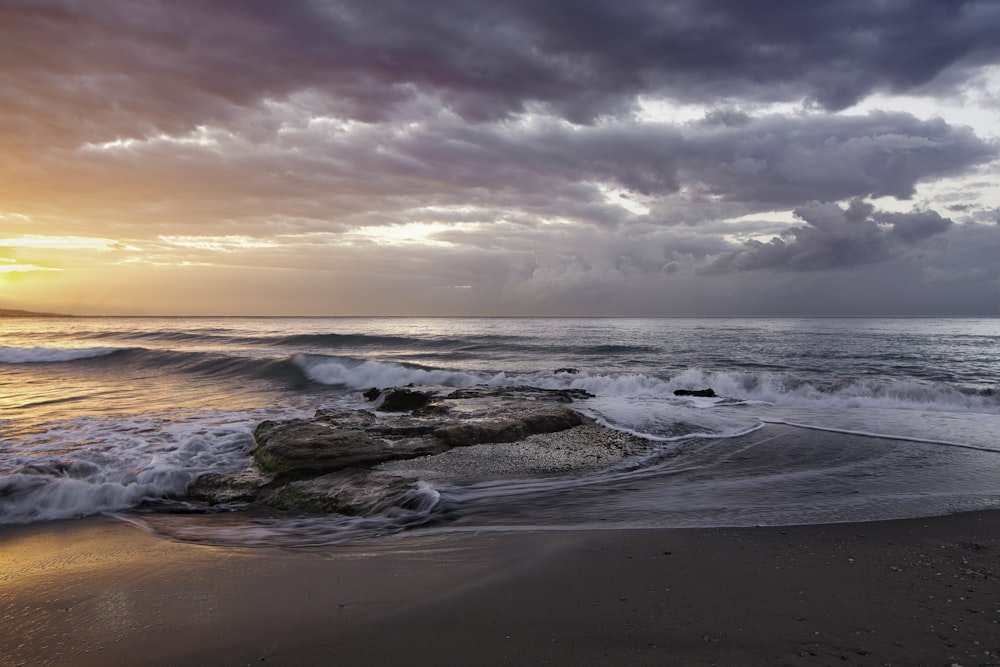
90 465
410 509
37 355
27 498
763 387
645 405
357 374
669 420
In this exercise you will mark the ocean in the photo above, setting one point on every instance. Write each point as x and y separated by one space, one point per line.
877 418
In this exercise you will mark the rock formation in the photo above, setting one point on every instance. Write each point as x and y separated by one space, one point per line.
328 463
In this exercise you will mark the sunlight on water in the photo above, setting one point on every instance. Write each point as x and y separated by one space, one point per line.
100 414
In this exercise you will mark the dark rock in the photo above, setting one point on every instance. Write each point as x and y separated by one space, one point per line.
350 492
360 420
215 488
412 428
432 410
401 400
302 446
306 445
372 393
704 393
552 421
465 434
520 393
570 395
324 464
570 371
508 430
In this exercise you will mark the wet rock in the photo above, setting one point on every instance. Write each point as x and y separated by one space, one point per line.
216 489
372 394
328 463
569 371
508 430
520 394
307 445
703 393
348 492
354 419
406 428
401 400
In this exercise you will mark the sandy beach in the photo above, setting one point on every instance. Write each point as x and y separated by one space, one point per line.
909 592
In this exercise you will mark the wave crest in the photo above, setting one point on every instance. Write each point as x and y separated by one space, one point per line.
362 374
41 355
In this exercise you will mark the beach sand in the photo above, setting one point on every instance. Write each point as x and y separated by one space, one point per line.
909 592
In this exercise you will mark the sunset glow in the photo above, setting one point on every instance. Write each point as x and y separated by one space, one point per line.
211 159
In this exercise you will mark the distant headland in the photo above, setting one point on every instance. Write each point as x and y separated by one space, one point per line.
10 312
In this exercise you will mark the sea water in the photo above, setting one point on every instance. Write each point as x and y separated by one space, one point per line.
121 414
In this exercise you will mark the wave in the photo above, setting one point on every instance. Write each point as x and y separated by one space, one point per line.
304 340
42 355
645 405
332 340
414 508
168 336
212 364
355 373
786 388
473 345
137 461
730 386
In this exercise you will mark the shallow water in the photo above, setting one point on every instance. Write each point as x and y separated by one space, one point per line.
109 414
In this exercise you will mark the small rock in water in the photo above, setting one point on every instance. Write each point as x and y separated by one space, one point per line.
703 393
401 400
372 394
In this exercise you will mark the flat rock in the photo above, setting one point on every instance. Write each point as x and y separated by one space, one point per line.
355 492
217 488
316 446
507 430
327 463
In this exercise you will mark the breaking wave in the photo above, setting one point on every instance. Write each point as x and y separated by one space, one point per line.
128 463
759 387
42 355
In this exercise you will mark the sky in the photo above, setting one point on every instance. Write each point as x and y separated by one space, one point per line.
501 157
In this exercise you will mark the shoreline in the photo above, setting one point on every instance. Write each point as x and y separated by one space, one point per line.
906 591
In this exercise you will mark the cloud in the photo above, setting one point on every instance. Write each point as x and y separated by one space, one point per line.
502 156
785 160
914 227
309 174
172 66
835 238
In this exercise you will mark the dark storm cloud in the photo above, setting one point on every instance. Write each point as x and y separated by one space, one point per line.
123 68
785 160
770 160
249 135
74 72
373 175
834 237
913 227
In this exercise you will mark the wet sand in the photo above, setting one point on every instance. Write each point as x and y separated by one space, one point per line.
910 592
